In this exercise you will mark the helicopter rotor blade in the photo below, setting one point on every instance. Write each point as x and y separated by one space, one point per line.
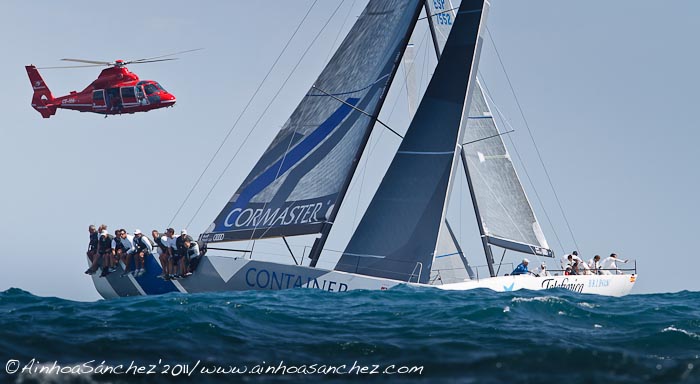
89 61
73 66
169 54
147 61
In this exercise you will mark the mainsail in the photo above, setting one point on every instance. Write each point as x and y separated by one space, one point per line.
398 233
296 185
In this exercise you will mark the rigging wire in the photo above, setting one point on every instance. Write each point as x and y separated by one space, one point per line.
539 155
196 183
342 28
357 109
438 13
517 154
266 109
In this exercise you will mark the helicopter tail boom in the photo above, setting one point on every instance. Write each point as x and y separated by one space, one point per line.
42 100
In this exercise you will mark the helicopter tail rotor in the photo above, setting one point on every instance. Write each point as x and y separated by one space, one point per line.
42 100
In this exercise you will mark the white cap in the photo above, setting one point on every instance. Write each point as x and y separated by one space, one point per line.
104 233
137 232
183 232
526 261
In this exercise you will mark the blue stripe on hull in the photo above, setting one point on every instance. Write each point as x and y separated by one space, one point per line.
149 281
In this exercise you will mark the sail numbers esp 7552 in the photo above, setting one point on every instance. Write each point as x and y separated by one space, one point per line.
442 18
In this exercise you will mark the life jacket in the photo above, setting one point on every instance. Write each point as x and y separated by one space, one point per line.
118 244
139 243
93 241
180 244
181 249
159 242
105 243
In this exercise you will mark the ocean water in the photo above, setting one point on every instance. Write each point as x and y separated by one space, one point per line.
417 335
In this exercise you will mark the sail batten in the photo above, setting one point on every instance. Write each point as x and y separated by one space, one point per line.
297 184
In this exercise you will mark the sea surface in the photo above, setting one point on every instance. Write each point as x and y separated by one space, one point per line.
419 335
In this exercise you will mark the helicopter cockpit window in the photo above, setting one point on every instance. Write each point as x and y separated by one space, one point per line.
150 89
160 87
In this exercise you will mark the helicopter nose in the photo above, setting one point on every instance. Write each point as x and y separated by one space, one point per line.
167 99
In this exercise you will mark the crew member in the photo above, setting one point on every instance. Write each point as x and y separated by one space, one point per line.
105 251
123 246
594 264
169 241
182 244
611 264
92 246
542 270
142 249
521 269
162 251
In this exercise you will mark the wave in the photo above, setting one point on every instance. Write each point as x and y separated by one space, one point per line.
683 331
480 335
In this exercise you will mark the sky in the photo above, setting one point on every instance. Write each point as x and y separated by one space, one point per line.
608 90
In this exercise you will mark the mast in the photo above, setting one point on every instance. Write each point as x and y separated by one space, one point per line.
431 24
319 243
484 239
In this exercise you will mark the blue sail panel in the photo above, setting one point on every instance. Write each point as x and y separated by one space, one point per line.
298 182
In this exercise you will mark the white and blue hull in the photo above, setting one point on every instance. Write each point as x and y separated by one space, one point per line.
220 274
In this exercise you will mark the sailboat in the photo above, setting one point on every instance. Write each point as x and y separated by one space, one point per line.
404 238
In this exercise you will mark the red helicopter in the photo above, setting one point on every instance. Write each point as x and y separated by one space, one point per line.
117 90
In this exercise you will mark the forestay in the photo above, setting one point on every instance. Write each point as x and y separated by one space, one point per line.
296 185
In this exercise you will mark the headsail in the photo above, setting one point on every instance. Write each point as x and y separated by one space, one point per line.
295 186
507 217
397 235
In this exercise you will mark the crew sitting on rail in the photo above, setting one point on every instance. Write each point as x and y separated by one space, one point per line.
92 246
100 248
182 262
196 252
162 251
142 249
179 256
123 245
106 253
171 248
